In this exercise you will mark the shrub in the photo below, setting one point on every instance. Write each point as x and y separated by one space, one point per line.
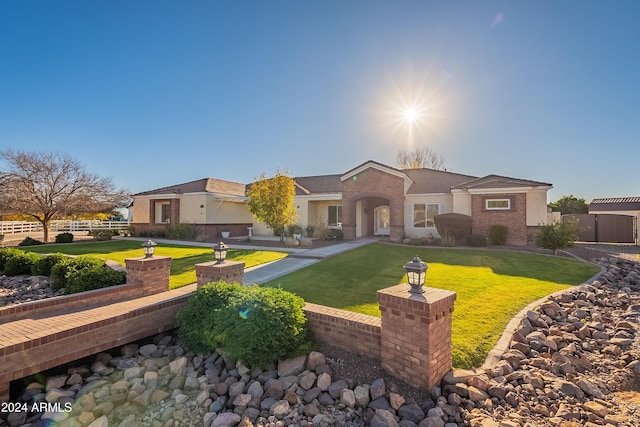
20 263
448 240
95 277
43 266
499 234
477 240
196 319
249 323
64 238
180 231
558 235
260 325
7 253
333 234
103 235
310 229
62 271
28 241
454 224
294 229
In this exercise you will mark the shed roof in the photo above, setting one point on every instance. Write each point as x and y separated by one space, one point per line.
615 204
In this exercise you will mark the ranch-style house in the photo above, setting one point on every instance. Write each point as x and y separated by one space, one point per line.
372 199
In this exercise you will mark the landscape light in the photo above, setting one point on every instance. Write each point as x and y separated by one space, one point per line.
149 248
416 274
220 252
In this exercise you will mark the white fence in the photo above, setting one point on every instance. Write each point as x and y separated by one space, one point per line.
13 227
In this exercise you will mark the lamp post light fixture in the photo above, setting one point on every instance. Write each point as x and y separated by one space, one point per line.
149 247
416 273
220 252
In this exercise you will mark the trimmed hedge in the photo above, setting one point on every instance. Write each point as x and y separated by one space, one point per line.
90 278
44 265
499 234
248 323
64 238
455 224
6 254
61 272
20 263
28 241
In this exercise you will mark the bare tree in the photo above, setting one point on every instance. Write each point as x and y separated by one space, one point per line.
419 158
51 185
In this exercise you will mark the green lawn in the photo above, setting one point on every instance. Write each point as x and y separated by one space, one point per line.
491 286
184 257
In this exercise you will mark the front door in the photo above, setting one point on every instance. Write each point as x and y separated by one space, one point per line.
381 221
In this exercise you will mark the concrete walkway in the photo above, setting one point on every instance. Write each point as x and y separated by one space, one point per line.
298 258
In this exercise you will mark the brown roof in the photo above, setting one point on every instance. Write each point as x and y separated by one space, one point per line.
318 184
434 181
498 181
210 185
615 204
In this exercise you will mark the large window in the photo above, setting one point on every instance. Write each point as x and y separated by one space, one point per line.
335 216
498 204
424 214
163 212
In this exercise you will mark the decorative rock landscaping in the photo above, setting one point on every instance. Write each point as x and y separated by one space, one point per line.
574 360
21 289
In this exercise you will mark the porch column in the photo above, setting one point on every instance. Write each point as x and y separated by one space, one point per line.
228 271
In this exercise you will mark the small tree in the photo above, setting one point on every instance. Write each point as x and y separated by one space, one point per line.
570 205
419 158
270 200
558 235
46 186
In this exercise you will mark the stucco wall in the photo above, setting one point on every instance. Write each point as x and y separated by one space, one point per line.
445 202
461 202
537 207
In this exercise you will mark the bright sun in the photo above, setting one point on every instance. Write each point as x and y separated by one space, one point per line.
410 114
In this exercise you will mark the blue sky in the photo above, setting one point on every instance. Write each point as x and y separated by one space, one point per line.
154 93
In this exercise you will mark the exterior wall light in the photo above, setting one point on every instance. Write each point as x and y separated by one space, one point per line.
416 273
149 248
220 252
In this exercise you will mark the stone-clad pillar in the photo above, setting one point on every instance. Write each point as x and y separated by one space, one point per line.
150 273
416 334
228 271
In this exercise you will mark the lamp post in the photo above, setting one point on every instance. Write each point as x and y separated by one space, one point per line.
416 273
149 248
220 252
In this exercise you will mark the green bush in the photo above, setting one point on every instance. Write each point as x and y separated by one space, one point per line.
499 234
448 240
294 229
20 263
477 240
333 234
43 266
249 323
5 254
260 325
196 319
65 269
180 231
558 235
103 235
455 225
64 238
96 277
28 241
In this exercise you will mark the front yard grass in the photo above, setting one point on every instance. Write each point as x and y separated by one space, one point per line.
491 286
184 257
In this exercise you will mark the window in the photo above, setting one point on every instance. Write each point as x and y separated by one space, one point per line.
424 213
163 212
498 204
335 216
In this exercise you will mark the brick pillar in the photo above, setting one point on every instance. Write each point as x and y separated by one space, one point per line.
228 271
416 334
150 273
